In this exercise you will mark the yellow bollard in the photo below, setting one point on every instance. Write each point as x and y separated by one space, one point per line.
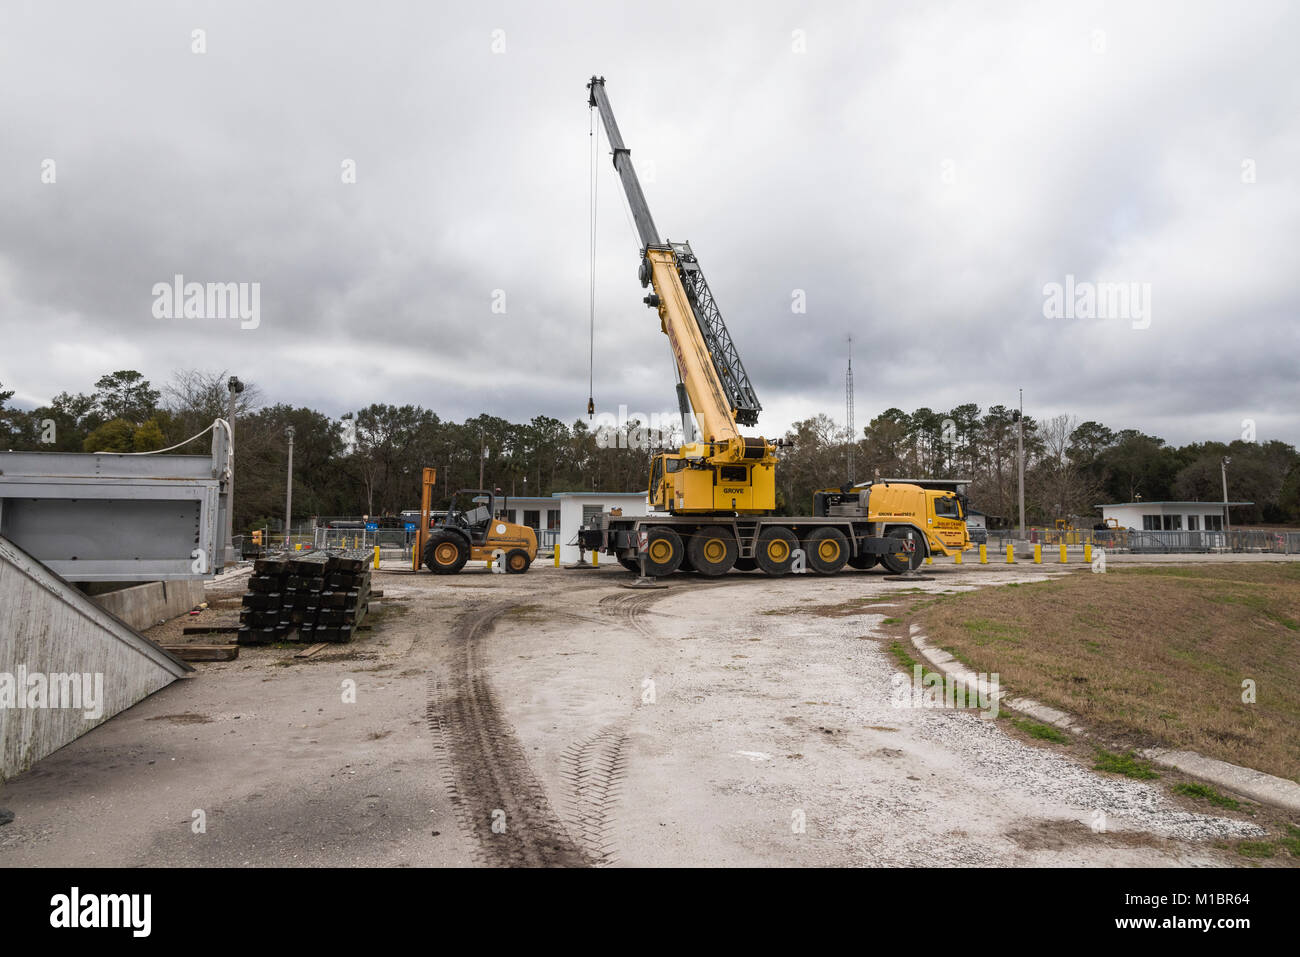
1062 553
1038 554
957 557
595 558
557 556
984 554
376 556
1011 554
1087 552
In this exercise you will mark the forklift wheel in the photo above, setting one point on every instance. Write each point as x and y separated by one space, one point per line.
445 553
517 561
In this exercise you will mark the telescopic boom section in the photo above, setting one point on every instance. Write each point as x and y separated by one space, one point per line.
715 380
645 224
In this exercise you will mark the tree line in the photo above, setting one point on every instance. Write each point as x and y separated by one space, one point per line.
370 461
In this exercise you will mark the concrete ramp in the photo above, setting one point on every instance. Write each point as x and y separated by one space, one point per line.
66 664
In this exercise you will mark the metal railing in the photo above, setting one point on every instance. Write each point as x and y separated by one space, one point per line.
1152 542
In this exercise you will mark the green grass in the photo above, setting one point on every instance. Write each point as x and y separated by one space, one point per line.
902 656
1128 765
1207 793
891 621
1291 843
1256 849
1043 732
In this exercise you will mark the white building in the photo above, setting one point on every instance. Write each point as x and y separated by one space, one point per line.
1168 516
557 517
579 508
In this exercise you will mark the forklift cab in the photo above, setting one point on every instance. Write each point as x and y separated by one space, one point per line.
476 517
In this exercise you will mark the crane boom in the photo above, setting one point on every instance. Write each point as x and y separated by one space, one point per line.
707 360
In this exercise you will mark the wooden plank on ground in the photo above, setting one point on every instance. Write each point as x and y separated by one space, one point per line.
204 652
308 652
210 630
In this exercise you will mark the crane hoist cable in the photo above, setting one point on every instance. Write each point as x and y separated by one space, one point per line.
594 149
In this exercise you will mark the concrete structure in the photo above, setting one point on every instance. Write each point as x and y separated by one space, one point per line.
116 518
143 606
66 664
1168 516
577 508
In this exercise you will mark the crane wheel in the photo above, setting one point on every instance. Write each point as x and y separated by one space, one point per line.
665 554
899 562
445 553
712 550
863 562
775 550
827 550
517 561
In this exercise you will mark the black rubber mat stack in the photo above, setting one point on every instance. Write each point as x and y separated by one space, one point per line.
311 597
342 603
262 619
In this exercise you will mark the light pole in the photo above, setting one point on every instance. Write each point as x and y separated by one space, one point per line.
235 387
1227 525
288 497
1020 456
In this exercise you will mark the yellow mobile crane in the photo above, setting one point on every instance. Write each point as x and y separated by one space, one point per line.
713 497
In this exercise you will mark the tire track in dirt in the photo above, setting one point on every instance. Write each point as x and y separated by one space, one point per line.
594 769
498 799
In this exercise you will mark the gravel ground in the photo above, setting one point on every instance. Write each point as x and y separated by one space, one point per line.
731 723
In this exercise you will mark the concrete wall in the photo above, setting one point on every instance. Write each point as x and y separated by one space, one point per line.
51 632
143 606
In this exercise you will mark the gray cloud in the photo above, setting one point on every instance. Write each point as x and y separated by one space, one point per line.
919 173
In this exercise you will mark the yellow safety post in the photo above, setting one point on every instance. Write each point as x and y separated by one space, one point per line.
1063 553
557 556
1087 552
1011 554
984 554
376 556
956 558
1038 553
595 558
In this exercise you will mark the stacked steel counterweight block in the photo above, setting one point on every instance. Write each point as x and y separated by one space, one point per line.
314 597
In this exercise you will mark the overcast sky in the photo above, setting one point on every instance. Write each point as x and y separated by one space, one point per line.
920 171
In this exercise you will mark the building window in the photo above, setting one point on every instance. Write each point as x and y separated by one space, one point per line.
1173 523
1150 523
552 518
1214 523
591 512
530 517
1193 523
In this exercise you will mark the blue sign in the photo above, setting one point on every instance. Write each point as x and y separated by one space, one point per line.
372 526
410 526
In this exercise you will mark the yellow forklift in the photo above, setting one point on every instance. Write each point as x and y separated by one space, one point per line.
472 530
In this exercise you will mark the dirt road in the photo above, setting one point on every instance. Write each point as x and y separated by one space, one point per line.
558 719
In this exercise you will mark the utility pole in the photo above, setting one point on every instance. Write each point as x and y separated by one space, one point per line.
482 454
235 387
1020 455
1227 525
288 498
848 415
